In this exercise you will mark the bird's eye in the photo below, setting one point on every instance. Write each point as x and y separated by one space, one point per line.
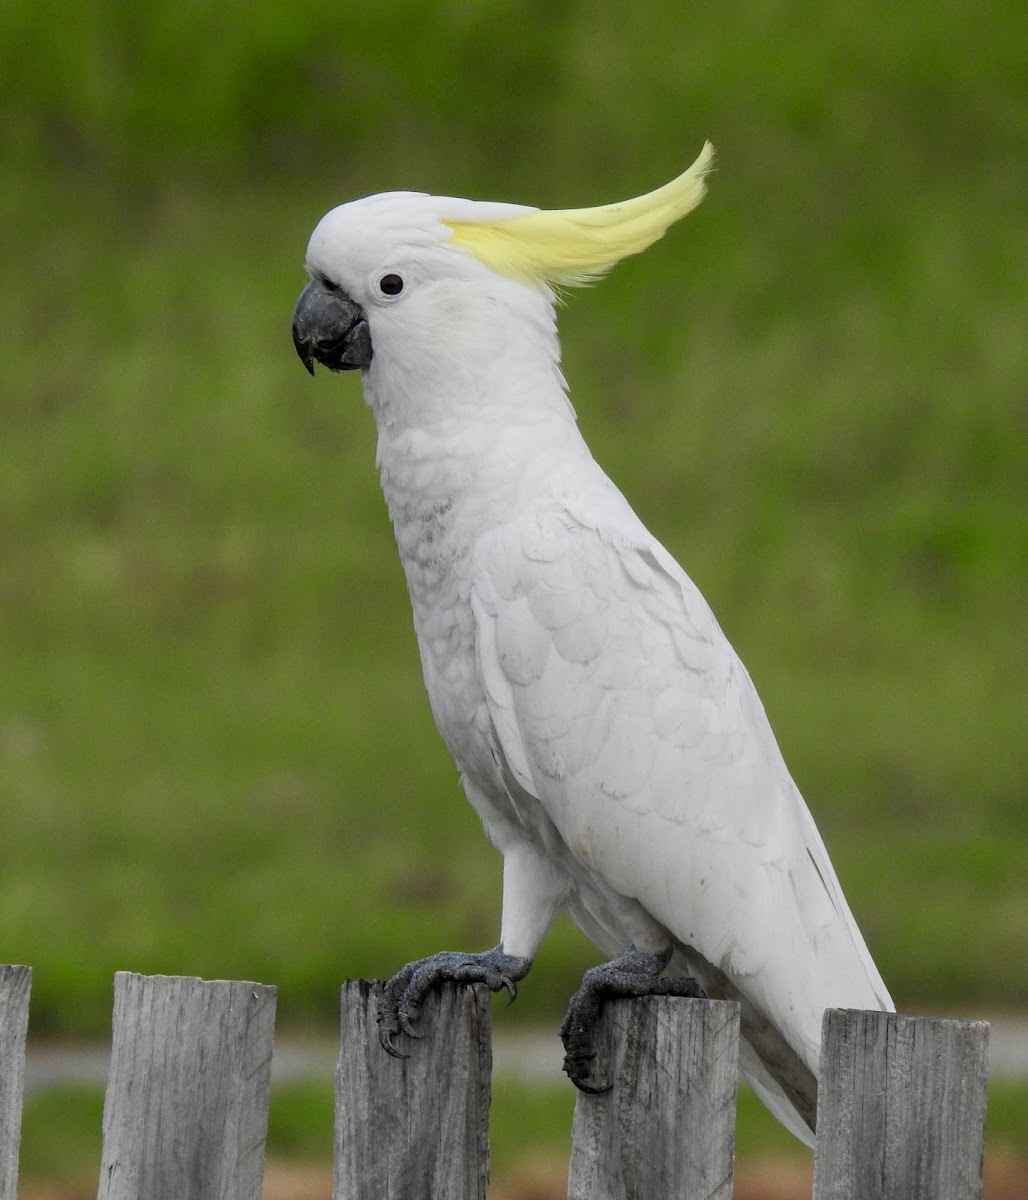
390 285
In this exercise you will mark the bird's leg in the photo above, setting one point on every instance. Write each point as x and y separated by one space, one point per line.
532 889
405 992
634 973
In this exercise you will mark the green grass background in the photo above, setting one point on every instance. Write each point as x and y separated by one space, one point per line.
216 756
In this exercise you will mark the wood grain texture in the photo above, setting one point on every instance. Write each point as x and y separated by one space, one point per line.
15 983
666 1129
186 1111
414 1128
901 1107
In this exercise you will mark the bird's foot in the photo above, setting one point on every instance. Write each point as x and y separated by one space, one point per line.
406 991
634 973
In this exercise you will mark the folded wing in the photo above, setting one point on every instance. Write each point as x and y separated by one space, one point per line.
619 703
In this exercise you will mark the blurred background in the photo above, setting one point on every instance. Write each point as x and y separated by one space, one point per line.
216 756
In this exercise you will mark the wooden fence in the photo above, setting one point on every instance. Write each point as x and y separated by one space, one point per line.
901 1108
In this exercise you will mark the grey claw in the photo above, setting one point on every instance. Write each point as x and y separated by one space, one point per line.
577 1070
592 1089
386 1041
408 1028
634 973
402 996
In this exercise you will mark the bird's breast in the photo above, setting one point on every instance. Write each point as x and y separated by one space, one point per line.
435 535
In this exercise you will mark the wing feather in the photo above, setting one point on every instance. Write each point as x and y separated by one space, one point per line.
620 705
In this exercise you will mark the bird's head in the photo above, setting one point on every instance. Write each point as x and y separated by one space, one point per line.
409 282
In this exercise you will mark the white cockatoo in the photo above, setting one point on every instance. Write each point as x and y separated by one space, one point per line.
605 731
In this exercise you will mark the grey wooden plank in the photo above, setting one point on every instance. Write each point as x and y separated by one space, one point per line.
186 1109
413 1128
901 1107
666 1129
15 983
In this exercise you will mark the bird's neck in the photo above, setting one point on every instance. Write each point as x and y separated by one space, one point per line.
473 420
489 456
491 450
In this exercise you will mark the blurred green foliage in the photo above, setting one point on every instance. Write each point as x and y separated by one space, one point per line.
215 752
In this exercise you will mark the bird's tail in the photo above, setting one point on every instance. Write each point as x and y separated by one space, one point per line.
772 1068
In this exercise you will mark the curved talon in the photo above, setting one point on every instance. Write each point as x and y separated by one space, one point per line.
408 1028
511 986
592 1089
386 1042
577 1068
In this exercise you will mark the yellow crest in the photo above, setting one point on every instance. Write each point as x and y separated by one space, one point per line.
571 246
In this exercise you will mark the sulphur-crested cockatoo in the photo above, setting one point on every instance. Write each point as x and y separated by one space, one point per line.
605 731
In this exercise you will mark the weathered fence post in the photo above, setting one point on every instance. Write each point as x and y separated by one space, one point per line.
186 1110
14 1020
413 1128
901 1107
666 1128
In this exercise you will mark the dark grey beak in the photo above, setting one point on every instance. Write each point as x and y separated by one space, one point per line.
330 328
